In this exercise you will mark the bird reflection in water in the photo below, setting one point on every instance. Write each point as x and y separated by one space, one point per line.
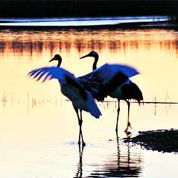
123 164
79 173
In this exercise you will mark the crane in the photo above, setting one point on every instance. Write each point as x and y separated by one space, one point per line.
81 99
124 88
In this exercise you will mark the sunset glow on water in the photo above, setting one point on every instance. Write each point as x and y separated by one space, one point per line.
39 128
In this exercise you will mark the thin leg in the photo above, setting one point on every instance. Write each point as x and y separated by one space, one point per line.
118 111
81 121
128 121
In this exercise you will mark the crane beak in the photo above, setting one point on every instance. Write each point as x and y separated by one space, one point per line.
84 56
52 59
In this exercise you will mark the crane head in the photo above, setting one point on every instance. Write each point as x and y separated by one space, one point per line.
58 58
91 54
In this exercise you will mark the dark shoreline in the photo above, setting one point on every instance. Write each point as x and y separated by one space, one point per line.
157 140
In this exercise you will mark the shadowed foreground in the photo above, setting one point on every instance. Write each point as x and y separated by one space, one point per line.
160 140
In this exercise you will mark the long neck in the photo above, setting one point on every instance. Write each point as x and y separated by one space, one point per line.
59 63
95 63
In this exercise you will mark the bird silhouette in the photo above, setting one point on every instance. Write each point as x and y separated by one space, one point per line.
81 99
121 87
109 80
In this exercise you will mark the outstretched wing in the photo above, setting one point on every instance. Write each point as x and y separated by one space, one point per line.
125 69
70 87
64 76
107 71
48 73
106 79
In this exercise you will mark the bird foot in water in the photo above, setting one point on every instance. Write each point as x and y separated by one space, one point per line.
126 130
128 134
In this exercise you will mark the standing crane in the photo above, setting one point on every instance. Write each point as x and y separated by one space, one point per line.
124 88
81 99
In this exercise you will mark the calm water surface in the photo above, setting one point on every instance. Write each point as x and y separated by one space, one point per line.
79 21
39 129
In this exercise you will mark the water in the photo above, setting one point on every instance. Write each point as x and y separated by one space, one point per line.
80 21
39 129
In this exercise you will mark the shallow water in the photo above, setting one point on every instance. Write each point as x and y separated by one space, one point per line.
39 129
79 21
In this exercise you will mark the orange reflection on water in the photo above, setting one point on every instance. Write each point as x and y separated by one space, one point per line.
35 113
38 42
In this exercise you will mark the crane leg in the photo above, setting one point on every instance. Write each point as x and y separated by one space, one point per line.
118 111
81 121
128 121
80 127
